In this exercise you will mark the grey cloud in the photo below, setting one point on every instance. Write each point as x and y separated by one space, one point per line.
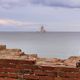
51 3
58 3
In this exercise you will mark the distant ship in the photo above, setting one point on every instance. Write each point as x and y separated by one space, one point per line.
42 29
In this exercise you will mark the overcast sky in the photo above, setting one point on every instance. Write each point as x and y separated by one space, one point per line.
29 15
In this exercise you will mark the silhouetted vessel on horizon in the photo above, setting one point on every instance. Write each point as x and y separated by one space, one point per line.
42 29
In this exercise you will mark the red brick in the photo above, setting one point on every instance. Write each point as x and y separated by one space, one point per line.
7 79
46 78
12 70
2 70
27 62
59 78
7 65
2 75
33 67
43 73
47 68
69 74
32 77
10 75
70 69
8 61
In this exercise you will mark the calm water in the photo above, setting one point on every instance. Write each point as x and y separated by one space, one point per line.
55 44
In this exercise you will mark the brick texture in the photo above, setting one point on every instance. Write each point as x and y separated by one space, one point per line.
28 70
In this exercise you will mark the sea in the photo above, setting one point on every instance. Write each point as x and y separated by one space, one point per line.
45 44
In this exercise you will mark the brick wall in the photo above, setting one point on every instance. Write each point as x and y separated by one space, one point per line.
28 70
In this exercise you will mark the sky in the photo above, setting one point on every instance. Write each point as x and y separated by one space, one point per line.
30 15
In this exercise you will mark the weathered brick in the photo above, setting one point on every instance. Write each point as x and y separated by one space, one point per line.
8 61
59 78
10 75
31 77
44 73
7 79
70 69
46 78
47 68
20 69
69 74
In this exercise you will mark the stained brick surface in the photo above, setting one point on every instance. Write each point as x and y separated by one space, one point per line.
7 79
27 70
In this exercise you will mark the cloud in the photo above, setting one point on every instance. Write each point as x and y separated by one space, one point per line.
59 3
9 22
53 3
